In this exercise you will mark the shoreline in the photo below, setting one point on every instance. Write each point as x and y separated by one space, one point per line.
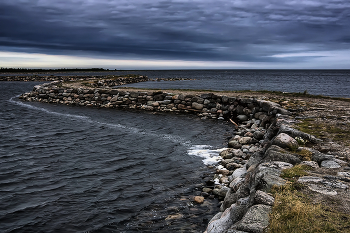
247 187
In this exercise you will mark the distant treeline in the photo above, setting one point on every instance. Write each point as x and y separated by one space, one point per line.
21 70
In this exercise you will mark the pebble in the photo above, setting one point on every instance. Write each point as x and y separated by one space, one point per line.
199 199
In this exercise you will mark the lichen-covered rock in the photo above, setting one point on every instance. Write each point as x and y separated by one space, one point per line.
296 133
255 220
285 141
245 140
221 192
266 178
276 164
229 216
330 164
234 144
238 173
236 183
276 153
263 198
227 154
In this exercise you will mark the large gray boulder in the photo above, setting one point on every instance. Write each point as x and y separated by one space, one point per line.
318 156
285 141
296 133
197 106
261 197
276 153
330 164
255 159
267 178
231 215
255 220
234 144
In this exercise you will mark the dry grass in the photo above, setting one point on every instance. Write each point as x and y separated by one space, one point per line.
305 154
294 212
295 172
323 130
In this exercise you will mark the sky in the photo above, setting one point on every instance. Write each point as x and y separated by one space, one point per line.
175 34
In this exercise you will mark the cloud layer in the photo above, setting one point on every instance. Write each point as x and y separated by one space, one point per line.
269 31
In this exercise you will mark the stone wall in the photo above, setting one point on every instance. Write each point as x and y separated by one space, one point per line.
207 105
97 80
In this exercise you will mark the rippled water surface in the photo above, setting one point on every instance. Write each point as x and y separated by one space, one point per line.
316 82
69 169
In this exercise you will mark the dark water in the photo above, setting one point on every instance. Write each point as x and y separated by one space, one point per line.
76 169
334 83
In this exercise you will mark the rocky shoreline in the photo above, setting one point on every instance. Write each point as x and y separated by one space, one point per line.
265 143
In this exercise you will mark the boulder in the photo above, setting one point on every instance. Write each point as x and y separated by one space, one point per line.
330 164
275 164
285 141
242 117
276 153
221 192
266 178
233 166
234 144
258 135
238 173
236 183
296 133
227 154
255 220
220 223
319 157
245 140
261 197
197 106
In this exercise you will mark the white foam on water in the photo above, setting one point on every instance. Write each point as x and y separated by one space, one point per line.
45 110
134 130
210 156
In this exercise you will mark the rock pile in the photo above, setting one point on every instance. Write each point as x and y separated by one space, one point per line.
252 166
171 79
97 81
257 113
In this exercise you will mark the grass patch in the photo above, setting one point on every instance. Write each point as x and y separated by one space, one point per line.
293 212
295 172
322 130
305 154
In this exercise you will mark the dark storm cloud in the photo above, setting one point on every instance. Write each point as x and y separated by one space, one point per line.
186 30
